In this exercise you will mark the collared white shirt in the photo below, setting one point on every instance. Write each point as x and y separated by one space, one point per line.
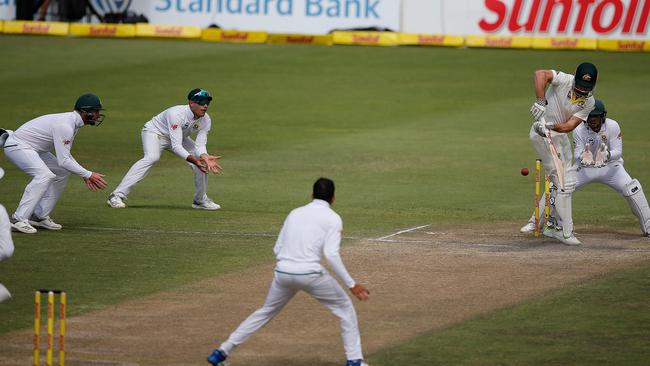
309 233
177 123
560 106
610 134
51 133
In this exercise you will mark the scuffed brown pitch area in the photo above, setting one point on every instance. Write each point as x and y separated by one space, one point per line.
420 281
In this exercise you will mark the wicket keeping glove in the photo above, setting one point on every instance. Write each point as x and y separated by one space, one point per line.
602 156
538 109
586 157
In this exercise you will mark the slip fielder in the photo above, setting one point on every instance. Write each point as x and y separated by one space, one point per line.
6 244
172 130
30 149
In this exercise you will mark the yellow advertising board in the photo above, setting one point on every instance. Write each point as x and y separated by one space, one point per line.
166 31
412 39
621 45
365 38
29 27
325 40
102 30
2 25
233 36
564 43
498 42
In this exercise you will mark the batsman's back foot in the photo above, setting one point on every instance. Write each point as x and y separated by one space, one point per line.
558 234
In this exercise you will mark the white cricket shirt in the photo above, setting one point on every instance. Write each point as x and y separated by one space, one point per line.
177 123
51 133
309 233
560 106
610 134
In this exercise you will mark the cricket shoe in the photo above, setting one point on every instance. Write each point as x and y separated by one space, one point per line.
355 363
217 357
4 293
45 223
206 204
528 228
115 201
22 225
554 233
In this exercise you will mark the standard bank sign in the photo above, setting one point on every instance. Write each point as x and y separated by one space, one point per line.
279 16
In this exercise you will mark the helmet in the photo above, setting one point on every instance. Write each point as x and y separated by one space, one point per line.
597 116
88 101
200 96
585 79
599 109
87 105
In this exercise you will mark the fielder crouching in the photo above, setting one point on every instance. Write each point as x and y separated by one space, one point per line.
30 149
171 130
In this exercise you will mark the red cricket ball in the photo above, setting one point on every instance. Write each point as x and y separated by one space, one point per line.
524 171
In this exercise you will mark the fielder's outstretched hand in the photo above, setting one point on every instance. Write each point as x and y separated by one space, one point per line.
95 182
212 163
360 291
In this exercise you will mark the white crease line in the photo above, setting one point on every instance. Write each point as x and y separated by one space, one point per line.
401 232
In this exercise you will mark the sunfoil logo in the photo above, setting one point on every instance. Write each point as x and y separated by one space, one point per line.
360 9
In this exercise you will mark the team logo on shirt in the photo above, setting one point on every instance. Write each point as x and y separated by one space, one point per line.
174 126
196 126
603 138
66 142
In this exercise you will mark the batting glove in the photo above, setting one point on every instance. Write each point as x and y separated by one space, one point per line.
602 156
538 109
540 128
586 157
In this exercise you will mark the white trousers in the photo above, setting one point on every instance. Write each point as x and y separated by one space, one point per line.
613 175
153 145
47 184
321 287
561 142
6 244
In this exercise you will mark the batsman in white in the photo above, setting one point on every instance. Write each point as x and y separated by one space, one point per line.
558 110
598 150
171 130
30 149
308 233
6 244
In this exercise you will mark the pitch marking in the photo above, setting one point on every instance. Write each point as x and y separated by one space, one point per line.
383 238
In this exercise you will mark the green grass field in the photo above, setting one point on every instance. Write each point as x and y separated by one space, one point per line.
411 135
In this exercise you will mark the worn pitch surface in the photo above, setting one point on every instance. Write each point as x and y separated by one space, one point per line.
420 280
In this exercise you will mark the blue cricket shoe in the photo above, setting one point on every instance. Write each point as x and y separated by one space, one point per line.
217 357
